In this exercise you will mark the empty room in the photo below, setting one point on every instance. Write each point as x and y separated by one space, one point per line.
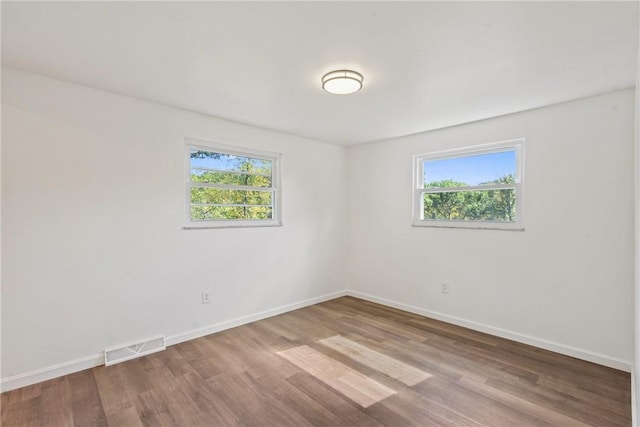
319 213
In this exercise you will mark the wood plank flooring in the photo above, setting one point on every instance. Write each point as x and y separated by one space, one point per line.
357 387
387 365
296 369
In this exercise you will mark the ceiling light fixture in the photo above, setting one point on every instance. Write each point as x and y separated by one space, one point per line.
342 82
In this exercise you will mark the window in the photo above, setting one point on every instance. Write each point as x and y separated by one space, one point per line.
230 187
473 187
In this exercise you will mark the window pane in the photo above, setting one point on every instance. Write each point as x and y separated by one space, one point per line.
231 188
229 162
232 178
204 213
222 196
482 169
482 205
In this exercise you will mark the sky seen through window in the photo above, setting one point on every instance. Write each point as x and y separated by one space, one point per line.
471 170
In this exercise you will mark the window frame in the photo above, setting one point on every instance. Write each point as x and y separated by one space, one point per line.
276 188
516 145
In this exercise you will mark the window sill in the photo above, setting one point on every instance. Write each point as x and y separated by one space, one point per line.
228 225
466 225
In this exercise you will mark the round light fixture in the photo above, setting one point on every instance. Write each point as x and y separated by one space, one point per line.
342 82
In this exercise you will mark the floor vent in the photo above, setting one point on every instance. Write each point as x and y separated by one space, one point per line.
131 351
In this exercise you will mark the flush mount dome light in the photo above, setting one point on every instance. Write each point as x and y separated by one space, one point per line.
342 82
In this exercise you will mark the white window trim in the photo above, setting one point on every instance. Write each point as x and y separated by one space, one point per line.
496 147
276 188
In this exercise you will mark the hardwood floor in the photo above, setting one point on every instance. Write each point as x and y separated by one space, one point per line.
346 362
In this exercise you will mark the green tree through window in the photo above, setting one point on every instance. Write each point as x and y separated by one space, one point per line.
230 187
478 205
470 187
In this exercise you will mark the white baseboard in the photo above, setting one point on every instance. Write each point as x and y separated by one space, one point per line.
578 353
228 324
50 372
47 373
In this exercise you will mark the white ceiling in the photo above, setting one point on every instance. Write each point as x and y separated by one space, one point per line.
426 65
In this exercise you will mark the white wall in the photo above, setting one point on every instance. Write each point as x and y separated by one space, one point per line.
565 283
636 372
94 250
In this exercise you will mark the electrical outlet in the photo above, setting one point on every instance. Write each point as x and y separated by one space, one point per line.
444 287
205 297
